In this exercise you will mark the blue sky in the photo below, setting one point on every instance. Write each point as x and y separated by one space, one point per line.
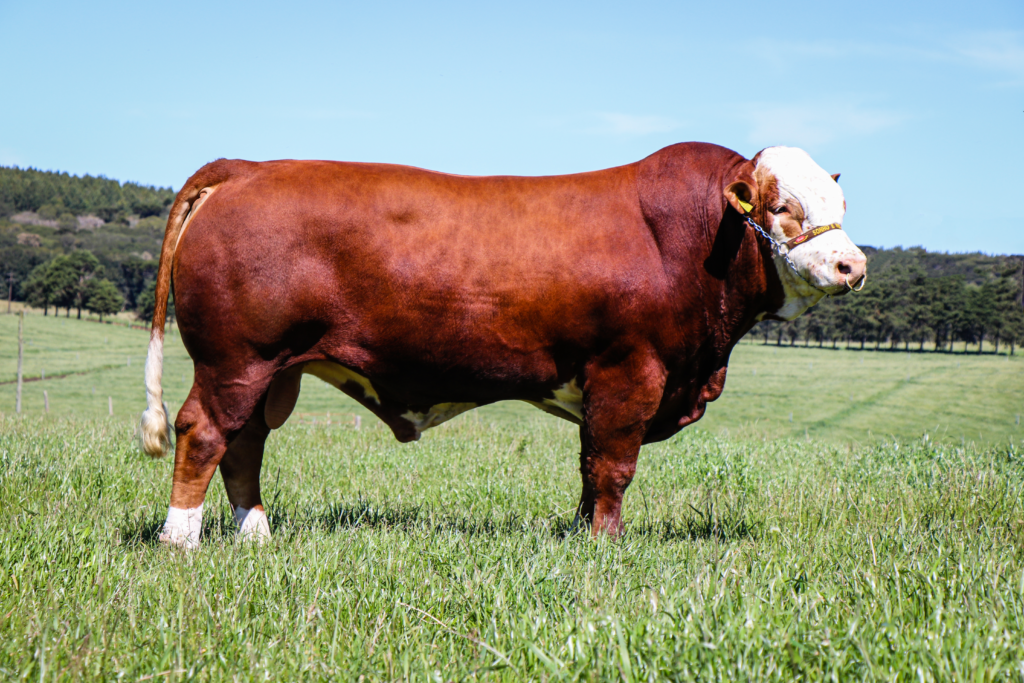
920 106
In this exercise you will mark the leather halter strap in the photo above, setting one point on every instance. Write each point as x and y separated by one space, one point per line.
810 234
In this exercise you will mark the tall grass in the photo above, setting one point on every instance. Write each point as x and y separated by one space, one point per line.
454 559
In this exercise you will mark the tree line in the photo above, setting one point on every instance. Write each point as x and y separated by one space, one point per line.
69 281
54 195
56 262
915 298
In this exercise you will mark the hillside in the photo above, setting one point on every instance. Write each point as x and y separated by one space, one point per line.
46 214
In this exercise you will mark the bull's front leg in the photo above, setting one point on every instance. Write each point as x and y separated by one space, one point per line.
618 405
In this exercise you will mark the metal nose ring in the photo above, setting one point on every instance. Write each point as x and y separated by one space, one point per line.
863 281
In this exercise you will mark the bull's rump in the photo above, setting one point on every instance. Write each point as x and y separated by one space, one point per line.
396 266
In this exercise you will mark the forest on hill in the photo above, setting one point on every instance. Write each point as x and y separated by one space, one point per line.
63 236
918 297
53 195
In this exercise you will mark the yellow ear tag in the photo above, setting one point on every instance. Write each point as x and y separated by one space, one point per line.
747 208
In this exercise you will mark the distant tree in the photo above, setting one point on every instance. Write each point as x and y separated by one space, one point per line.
864 312
18 259
52 194
134 273
917 304
102 297
67 222
86 267
977 315
913 296
147 302
791 328
948 301
37 288
1004 293
148 207
1012 331
62 282
893 326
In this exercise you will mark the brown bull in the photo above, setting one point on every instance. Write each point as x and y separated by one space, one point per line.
611 299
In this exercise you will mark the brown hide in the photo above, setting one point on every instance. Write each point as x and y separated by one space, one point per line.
636 281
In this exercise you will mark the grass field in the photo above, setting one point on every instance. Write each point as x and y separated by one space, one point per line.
839 396
754 550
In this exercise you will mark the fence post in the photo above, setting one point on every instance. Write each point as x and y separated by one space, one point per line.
21 353
110 405
46 401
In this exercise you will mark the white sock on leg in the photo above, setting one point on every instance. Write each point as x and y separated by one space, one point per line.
182 527
252 524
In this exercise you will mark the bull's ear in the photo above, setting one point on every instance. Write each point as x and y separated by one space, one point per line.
835 177
740 196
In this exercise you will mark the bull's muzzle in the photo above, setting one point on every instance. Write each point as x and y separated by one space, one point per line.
851 272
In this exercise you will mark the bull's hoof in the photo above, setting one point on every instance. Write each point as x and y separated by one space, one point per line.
609 528
177 540
253 526
182 528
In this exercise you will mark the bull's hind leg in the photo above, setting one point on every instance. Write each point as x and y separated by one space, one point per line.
213 415
200 446
240 469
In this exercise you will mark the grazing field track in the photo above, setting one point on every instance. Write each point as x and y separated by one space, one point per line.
835 395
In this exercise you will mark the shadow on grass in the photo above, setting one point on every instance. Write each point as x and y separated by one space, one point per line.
367 514
140 532
705 525
693 528
709 524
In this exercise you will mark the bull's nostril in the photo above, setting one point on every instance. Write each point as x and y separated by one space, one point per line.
844 268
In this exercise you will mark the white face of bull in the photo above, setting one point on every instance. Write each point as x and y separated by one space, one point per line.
800 196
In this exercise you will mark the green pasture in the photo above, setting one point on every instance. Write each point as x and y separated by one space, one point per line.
453 559
841 545
835 395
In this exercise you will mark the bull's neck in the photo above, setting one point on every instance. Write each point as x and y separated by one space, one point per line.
729 269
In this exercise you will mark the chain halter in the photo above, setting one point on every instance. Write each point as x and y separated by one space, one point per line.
783 248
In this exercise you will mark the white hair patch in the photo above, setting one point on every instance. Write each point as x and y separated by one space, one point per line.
800 178
252 524
182 527
820 266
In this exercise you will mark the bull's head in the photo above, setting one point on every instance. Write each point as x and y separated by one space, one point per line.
792 197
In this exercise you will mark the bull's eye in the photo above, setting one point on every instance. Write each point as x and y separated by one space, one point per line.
780 209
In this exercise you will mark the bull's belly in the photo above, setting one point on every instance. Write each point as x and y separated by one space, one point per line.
565 402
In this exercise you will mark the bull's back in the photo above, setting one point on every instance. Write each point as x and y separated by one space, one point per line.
421 261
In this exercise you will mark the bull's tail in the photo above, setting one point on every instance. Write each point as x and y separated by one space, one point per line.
156 433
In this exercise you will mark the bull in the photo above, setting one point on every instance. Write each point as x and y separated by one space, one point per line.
611 299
